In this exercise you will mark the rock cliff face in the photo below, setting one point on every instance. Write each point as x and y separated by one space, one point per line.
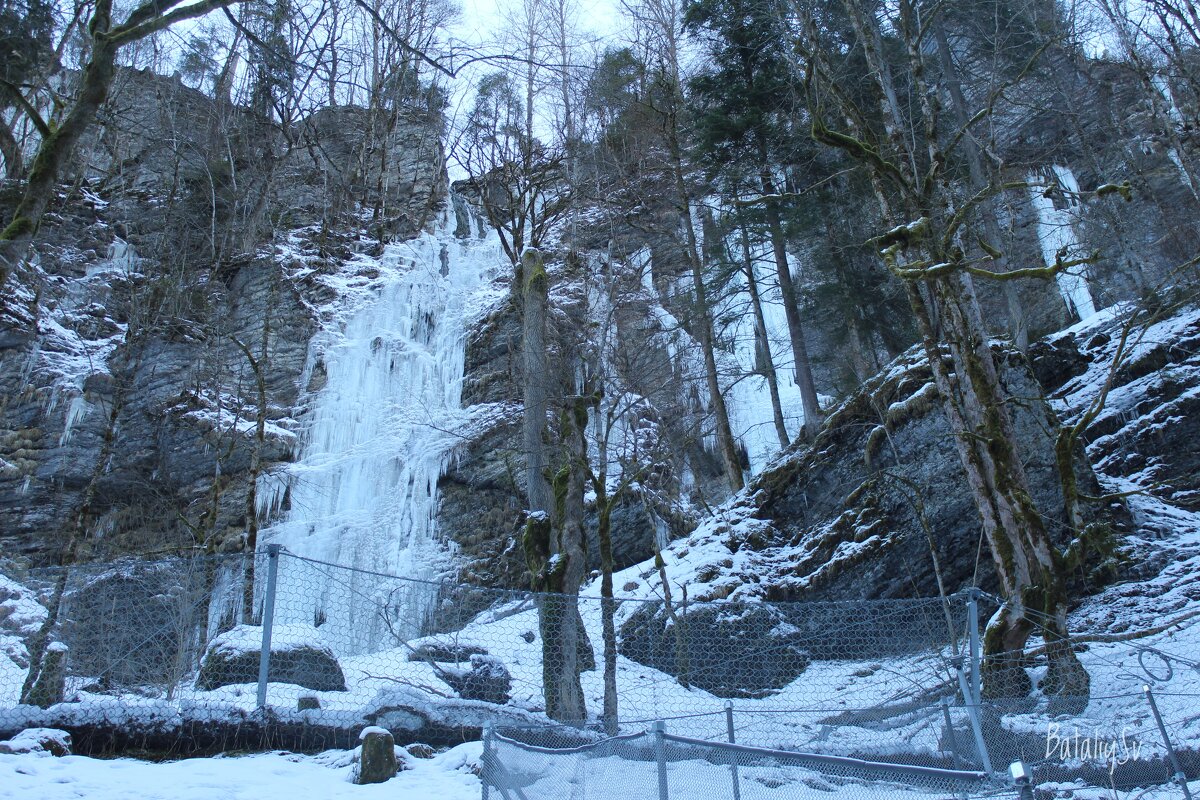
875 508
181 278
176 288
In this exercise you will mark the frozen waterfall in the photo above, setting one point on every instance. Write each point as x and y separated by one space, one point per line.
1055 234
378 436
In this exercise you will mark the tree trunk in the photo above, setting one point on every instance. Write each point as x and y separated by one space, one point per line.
537 372
791 307
608 611
1027 562
573 654
977 407
258 365
1017 323
14 163
553 546
703 321
766 362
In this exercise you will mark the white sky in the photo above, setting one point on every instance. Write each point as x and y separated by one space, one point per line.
480 18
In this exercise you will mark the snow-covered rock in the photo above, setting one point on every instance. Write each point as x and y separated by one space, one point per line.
39 740
487 679
299 655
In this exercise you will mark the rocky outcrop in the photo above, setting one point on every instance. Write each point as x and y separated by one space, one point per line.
486 679
874 508
759 651
390 164
1145 435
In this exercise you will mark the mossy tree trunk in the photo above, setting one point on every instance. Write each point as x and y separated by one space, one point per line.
553 538
924 253
10 151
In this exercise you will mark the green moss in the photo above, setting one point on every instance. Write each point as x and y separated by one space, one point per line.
1125 190
536 543
19 227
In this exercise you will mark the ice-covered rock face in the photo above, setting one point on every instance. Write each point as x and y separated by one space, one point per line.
382 428
1055 204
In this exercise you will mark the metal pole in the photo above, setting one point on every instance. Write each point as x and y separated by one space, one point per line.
733 767
660 754
973 715
268 621
1180 778
951 739
485 762
973 631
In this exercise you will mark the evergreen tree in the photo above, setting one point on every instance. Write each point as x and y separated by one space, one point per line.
744 117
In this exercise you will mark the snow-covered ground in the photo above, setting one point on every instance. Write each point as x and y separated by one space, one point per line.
447 776
265 776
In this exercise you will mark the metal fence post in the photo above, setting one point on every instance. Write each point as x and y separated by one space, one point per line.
485 761
1180 777
268 621
951 739
973 716
660 755
973 632
733 767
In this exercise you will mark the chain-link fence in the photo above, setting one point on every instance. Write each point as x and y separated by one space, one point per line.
781 698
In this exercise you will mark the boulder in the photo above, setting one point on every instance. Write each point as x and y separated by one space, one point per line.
299 656
442 650
377 759
487 680
39 740
759 651
420 750
50 685
121 620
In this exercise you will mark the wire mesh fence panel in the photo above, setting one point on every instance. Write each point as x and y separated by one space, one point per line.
655 766
175 648
99 643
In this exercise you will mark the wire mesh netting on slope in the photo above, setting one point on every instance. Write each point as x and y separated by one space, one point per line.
170 655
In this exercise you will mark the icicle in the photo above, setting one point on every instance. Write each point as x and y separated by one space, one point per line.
76 410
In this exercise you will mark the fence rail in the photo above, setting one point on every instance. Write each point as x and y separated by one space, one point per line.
205 652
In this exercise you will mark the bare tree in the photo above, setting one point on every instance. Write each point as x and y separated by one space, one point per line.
661 31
